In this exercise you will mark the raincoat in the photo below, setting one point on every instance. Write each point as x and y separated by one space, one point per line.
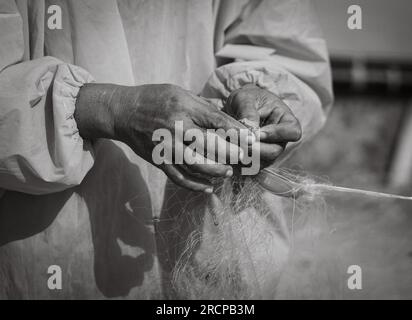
96 210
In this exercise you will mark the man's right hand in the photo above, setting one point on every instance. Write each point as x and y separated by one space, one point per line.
132 114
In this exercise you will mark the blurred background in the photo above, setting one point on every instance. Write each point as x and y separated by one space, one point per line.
367 143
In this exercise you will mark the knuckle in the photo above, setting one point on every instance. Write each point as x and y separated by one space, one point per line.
239 95
244 95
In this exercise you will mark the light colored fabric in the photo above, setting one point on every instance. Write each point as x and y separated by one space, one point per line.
101 232
298 71
41 149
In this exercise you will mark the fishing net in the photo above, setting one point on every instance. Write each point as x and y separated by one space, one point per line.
248 243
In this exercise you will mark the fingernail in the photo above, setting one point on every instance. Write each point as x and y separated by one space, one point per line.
209 190
229 173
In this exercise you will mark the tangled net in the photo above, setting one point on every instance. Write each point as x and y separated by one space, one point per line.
248 241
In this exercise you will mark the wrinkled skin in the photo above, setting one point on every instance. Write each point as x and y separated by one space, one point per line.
133 114
266 111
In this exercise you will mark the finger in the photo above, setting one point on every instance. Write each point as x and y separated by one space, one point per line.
217 119
196 163
213 145
274 108
268 152
245 107
185 181
283 132
221 120
280 126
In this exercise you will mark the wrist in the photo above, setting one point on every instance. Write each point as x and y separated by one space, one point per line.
96 108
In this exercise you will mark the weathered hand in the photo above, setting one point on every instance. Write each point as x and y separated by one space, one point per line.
133 114
263 109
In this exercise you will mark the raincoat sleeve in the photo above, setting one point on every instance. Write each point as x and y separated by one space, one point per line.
40 147
278 46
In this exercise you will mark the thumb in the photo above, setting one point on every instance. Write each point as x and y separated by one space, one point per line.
244 107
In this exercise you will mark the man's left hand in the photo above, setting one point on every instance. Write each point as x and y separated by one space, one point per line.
266 111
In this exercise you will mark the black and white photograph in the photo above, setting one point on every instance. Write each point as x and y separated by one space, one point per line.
205 150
